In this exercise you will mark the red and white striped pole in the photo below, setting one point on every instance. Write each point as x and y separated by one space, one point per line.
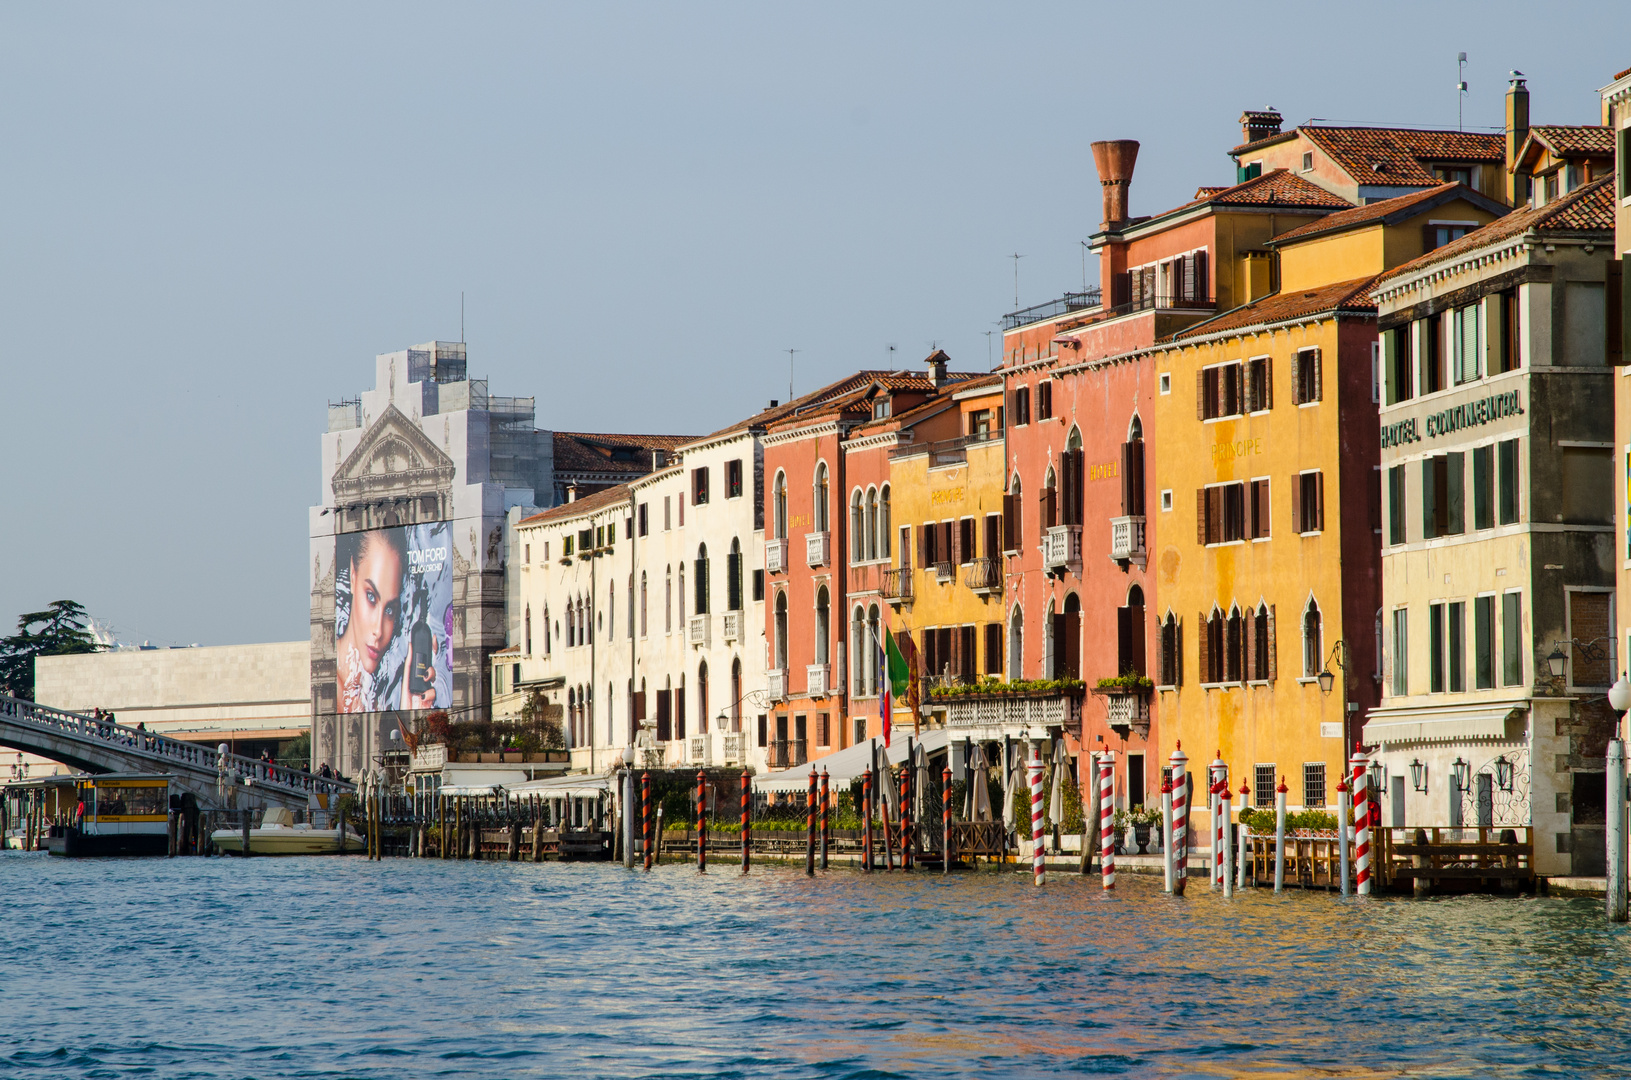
1107 810
1180 819
1038 868
1218 772
1362 797
1245 872
1226 863
1167 864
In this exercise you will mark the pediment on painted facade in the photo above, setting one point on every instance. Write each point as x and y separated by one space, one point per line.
393 455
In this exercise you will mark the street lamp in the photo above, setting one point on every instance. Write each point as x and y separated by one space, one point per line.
1326 681
1462 771
1418 774
1619 695
1378 777
1556 659
1503 773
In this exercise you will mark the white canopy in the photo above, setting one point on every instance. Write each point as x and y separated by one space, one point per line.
1446 723
846 766
563 787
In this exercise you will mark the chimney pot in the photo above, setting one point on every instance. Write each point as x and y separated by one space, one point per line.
1114 159
1260 124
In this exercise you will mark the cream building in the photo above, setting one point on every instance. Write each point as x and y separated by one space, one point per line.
1497 530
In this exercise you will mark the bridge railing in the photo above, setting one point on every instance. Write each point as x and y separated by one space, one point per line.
161 749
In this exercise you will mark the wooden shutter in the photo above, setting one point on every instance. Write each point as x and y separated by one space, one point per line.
1200 394
639 706
1296 379
993 535
1200 516
948 542
665 716
1214 515
956 545
1316 361
733 581
1135 625
1049 505
679 711
1319 498
1248 631
970 644
1274 666
956 657
1206 646
1203 287
1073 645
993 648
1127 478
1296 502
1124 639
906 547
1178 654
1010 541
1268 383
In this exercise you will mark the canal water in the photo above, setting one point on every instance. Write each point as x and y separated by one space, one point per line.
333 967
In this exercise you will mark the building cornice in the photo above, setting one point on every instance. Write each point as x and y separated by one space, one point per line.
808 431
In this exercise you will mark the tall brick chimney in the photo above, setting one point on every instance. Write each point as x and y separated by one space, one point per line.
1517 130
1260 124
1114 159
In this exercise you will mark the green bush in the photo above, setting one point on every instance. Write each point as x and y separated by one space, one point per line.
1018 687
1072 792
1262 821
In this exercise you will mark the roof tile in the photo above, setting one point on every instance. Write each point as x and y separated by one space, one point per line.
1402 154
1342 296
1385 208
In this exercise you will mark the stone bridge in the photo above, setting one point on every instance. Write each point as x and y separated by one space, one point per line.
214 779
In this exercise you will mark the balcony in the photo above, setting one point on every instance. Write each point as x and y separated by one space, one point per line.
996 715
816 548
897 585
776 556
732 625
700 745
700 625
1127 538
1128 711
731 749
1062 549
984 576
945 572
786 753
816 678
1052 309
777 678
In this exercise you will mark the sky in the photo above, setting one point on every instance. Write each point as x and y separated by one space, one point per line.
212 218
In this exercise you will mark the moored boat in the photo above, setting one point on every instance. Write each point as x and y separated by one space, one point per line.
279 834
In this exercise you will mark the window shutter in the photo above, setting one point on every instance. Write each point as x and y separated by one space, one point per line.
956 657
1073 646
1203 288
1296 379
1135 625
1200 516
1319 500
1248 631
1296 502
1205 646
948 540
1178 655
1316 361
924 556
1049 505
1009 541
1268 383
958 555
1214 515
1274 666
733 573
1200 395
1124 639
1126 478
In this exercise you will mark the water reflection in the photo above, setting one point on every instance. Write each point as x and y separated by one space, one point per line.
286 968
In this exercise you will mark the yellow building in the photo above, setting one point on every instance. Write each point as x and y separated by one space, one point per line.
1269 505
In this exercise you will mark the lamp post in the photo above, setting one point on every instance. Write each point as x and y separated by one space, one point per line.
1418 775
1327 680
1619 699
626 791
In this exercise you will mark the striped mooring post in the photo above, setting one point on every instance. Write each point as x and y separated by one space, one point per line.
1219 774
945 820
1038 865
1228 868
1180 818
1244 871
645 824
1361 811
866 820
826 833
1280 836
809 826
747 819
1345 809
702 821
1107 810
1168 861
908 824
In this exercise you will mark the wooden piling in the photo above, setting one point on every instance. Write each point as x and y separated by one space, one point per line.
747 822
826 832
945 820
866 818
702 821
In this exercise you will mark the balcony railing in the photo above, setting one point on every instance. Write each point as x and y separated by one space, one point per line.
776 556
1052 309
897 584
786 753
1035 713
816 547
777 680
984 575
945 572
946 451
730 748
1128 710
732 625
1062 548
1127 537
700 627
816 677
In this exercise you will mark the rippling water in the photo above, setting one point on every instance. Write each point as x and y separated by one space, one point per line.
344 967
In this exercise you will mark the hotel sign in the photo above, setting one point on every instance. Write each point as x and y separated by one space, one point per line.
1485 410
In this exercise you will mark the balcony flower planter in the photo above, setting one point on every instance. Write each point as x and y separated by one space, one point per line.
992 690
1140 685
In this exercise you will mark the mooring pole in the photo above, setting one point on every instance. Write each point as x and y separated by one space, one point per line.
747 820
1361 795
945 817
645 814
1616 832
1280 836
1245 872
1039 866
1180 819
1345 814
866 823
1107 809
1223 832
1169 864
810 825
826 832
702 821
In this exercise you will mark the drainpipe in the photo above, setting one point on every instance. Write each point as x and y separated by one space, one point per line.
594 604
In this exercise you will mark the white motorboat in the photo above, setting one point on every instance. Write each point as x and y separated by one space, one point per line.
278 834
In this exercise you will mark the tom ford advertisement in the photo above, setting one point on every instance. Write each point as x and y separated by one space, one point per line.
393 618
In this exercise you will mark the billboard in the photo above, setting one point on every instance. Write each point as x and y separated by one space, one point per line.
393 618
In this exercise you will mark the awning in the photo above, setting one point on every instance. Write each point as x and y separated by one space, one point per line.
1447 723
583 786
847 766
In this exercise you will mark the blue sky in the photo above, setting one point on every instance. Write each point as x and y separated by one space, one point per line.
214 216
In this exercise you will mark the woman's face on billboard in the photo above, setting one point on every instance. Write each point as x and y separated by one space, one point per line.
376 601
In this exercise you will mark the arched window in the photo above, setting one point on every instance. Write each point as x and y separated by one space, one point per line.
736 697
668 599
1262 647
1135 430
679 600
702 580
857 528
733 577
1050 506
781 630
884 525
571 717
1130 634
819 511
702 698
571 623
1233 649
823 626
1016 649
871 523
1014 531
546 629
642 603
873 638
611 608
1212 648
857 647
529 629
1068 640
631 607
1313 643
1171 652
778 507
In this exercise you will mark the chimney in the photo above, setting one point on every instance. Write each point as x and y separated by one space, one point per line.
1114 159
773 403
1517 130
937 367
572 493
1260 124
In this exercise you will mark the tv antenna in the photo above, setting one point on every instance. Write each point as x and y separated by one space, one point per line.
461 316
1016 257
1460 86
790 353
1084 264
989 363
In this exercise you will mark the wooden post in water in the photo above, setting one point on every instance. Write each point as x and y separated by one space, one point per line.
886 773
747 821
1422 885
645 814
866 820
945 817
809 826
826 832
1280 836
1038 856
1180 819
1245 872
1223 831
1107 829
1345 814
1090 817
908 832
702 822
515 839
246 833
1169 857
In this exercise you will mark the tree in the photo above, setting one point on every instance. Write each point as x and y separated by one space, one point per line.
62 631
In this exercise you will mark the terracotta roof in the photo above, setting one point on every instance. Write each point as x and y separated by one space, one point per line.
582 451
1574 140
1403 154
1391 211
595 501
1277 187
854 393
506 650
1280 307
1589 208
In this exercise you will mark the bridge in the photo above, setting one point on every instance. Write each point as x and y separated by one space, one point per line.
214 779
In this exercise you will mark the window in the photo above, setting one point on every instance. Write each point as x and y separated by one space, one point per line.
870 539
1307 382
1395 504
1214 647
1234 648
1308 166
701 581
1483 642
642 603
628 528
1430 353
1401 651
1261 643
1506 454
1396 372
1016 643
1483 487
1233 512
682 509
823 626
733 577
1219 391
1308 502
1457 635
1021 410
883 524
529 629
1314 783
1130 634
1467 342
1313 650
993 648
1442 495
1257 523
1166 499
1044 400
880 408
781 631
857 528
965 540
668 518
823 734
643 521
979 424
859 650
1264 779
778 513
1511 640
1435 648
668 600
1508 351
1171 652
1437 234
1259 384
1166 382
733 479
1011 520
819 493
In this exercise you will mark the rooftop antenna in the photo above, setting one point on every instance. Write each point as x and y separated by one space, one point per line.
890 354
461 316
1460 86
790 353
1016 257
1084 264
988 361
